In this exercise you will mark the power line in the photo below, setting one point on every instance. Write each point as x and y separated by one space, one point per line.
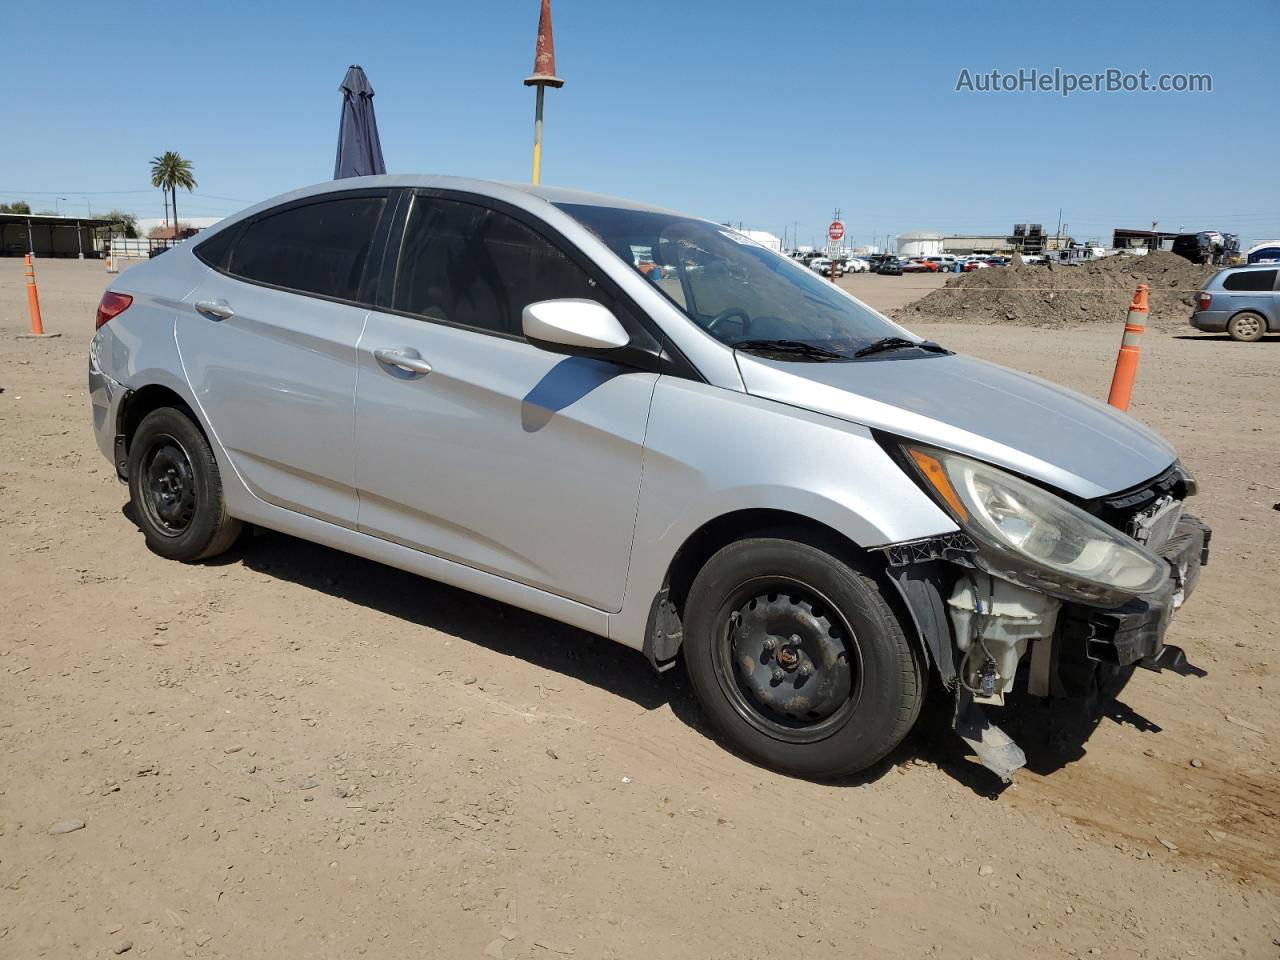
105 193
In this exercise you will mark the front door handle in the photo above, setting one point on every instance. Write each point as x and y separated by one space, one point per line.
218 309
406 358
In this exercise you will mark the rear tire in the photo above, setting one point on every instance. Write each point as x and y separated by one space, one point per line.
1247 327
798 661
176 489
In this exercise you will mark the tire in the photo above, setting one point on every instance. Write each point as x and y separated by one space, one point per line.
868 678
176 489
1247 327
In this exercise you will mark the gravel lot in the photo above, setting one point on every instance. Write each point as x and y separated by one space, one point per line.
295 753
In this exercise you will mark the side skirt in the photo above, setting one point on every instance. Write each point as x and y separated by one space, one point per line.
424 564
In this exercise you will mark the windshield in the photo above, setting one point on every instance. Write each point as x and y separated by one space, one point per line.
741 293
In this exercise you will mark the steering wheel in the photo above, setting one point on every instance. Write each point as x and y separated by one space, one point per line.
729 314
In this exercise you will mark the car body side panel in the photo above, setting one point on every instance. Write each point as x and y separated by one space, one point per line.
405 558
277 379
506 457
137 348
711 452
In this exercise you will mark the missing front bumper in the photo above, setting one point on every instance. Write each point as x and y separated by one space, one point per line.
1134 633
1067 664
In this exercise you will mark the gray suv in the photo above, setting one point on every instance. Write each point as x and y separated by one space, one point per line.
650 427
1242 301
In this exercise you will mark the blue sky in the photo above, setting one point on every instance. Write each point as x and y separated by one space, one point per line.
737 110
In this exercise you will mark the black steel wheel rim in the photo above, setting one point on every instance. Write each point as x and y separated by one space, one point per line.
787 659
168 486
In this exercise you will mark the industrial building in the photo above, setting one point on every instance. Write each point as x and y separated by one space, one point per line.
1125 238
1028 238
49 236
764 238
920 243
967 244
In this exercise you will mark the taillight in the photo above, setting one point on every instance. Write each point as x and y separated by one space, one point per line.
1204 299
111 305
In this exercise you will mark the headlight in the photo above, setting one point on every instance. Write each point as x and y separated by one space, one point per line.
1032 537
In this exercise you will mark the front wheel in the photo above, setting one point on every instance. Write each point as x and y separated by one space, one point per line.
176 489
797 660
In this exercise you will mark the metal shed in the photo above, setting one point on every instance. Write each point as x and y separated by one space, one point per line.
50 236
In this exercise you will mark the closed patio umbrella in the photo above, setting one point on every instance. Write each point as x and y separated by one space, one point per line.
359 149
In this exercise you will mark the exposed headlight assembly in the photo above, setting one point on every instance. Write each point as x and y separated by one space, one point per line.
1032 537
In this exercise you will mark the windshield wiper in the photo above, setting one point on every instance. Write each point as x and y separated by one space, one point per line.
798 348
898 343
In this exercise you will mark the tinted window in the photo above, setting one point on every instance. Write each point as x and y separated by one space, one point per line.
319 248
469 265
214 250
1250 280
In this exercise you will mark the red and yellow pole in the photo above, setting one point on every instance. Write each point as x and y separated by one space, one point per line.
33 299
1135 325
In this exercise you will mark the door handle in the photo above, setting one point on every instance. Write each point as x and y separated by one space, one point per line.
406 358
218 309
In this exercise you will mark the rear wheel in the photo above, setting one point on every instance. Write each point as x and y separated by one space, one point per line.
797 659
176 489
1247 327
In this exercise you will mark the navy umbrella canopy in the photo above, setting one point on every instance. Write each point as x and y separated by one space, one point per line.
359 149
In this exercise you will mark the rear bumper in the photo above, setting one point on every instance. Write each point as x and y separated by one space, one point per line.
1211 321
105 396
1134 633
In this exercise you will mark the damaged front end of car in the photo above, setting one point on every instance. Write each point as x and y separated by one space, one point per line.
1067 586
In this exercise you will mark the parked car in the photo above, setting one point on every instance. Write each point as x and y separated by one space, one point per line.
917 265
944 262
1242 301
889 266
974 263
855 265
821 266
476 382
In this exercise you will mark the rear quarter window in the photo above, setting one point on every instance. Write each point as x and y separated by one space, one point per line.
1250 280
321 248
217 248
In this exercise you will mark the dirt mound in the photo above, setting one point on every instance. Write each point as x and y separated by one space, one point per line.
1096 292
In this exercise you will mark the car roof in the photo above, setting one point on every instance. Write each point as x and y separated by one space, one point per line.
524 195
492 188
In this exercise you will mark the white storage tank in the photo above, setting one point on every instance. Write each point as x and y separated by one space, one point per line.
919 243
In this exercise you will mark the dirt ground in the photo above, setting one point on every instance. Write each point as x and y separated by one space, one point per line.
295 753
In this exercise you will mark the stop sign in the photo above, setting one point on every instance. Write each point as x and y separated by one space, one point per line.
836 230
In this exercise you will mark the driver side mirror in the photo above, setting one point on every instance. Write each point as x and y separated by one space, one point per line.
572 326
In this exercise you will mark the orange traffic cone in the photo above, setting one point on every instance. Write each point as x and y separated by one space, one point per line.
33 306
1135 325
33 298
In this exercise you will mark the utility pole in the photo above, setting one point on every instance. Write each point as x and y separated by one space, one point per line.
543 76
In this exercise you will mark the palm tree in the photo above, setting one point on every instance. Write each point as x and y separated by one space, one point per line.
169 172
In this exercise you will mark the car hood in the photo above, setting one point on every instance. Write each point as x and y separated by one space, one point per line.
1017 421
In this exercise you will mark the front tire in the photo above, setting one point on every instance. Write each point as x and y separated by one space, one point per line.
176 489
797 660
1247 327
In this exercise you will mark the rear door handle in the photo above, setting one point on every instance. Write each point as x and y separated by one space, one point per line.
406 358
219 309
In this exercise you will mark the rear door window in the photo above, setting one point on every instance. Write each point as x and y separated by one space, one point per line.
465 264
1250 280
321 248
